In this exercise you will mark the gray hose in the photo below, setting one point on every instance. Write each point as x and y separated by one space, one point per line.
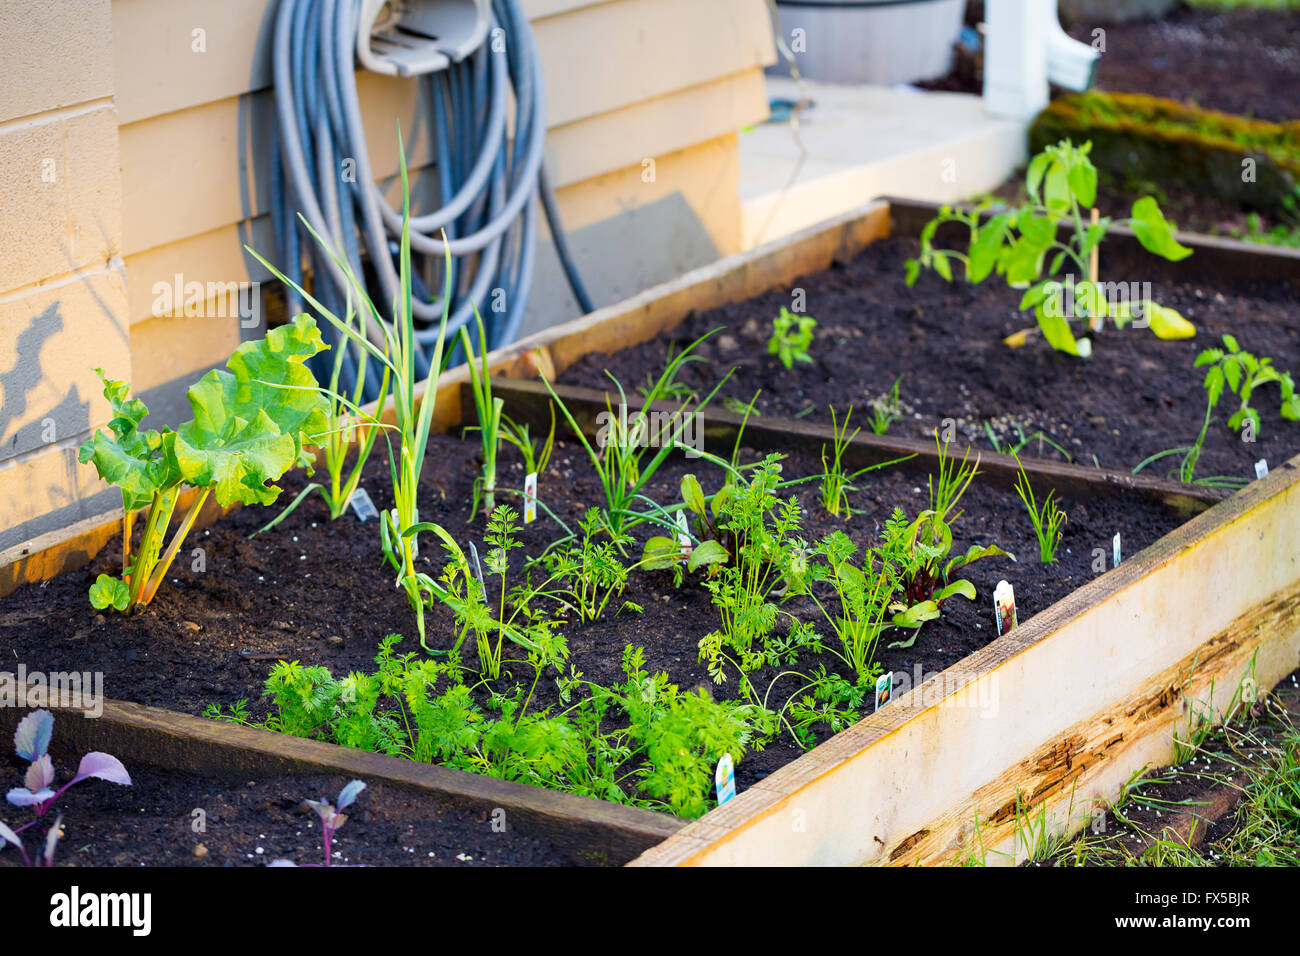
487 186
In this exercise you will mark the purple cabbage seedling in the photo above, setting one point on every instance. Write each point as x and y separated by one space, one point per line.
331 817
32 741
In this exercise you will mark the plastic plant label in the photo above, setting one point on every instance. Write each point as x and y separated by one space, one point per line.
478 568
1261 468
362 505
884 689
1004 606
1116 557
724 778
530 497
683 532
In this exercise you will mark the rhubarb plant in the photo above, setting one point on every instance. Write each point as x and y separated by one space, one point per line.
252 422
31 743
1025 246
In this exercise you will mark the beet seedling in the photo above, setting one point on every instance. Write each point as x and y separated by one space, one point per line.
31 743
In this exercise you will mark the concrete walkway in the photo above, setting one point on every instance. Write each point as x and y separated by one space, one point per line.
861 142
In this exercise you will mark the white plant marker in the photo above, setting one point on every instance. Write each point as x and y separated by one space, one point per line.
1115 552
362 506
530 497
1261 468
724 778
478 568
683 532
1004 607
884 689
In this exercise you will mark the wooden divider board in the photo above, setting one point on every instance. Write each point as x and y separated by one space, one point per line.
1060 712
592 829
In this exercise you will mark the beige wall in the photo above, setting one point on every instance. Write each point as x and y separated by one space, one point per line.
131 152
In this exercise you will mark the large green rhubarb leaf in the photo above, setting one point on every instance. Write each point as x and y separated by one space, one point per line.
250 423
138 462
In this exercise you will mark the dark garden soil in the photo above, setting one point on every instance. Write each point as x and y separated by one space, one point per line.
1136 395
252 822
317 592
1245 62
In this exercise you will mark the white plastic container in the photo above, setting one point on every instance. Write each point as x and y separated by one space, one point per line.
870 41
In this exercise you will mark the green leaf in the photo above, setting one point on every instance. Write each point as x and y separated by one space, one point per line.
660 553
1083 181
1153 231
692 494
962 587
913 271
108 591
974 553
1057 332
986 247
707 553
1168 323
942 267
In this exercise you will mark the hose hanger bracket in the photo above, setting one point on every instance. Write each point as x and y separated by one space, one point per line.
414 37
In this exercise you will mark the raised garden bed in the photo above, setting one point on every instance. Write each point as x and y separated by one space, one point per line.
1118 653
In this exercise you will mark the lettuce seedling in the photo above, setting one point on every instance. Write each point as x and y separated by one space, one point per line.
1061 182
31 742
251 424
331 818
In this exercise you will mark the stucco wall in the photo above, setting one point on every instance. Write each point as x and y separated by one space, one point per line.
131 153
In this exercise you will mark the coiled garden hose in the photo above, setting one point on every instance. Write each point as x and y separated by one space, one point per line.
487 185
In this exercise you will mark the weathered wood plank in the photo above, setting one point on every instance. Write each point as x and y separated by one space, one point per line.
529 402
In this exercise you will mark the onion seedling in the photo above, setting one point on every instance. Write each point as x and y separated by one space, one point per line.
1048 520
413 400
836 484
489 419
627 437
887 409
535 459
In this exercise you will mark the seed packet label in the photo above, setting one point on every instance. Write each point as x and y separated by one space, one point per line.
1004 606
530 497
724 778
1115 551
1261 468
884 689
415 542
478 568
683 532
362 506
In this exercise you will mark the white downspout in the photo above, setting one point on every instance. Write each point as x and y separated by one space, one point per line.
1024 48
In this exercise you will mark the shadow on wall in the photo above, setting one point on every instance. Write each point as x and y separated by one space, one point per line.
24 430
21 432
663 239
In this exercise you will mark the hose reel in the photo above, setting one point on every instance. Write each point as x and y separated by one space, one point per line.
472 58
